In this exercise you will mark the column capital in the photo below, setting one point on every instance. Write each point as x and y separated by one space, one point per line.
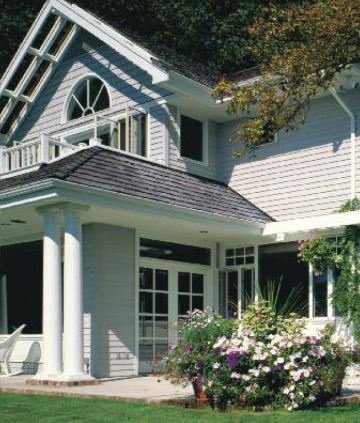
61 207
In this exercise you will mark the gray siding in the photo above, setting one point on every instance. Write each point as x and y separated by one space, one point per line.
177 162
307 173
127 83
109 299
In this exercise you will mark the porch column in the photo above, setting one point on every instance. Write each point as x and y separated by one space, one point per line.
73 294
52 304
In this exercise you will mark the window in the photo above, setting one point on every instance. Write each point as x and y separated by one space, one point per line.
191 138
320 289
190 292
135 141
171 251
90 96
239 256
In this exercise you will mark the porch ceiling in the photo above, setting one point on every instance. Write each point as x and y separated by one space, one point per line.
23 223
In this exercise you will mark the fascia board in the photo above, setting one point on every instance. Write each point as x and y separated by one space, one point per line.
335 220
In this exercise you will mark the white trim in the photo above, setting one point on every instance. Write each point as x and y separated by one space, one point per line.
335 220
136 284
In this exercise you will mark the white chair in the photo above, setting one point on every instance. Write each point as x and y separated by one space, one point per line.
6 349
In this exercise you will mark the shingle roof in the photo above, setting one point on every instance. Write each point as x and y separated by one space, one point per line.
110 170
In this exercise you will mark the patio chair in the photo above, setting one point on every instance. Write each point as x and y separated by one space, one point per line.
6 349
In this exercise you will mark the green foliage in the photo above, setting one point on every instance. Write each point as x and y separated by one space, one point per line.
212 32
301 49
320 252
270 293
263 360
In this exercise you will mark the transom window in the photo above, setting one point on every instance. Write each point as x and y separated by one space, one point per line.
89 97
239 256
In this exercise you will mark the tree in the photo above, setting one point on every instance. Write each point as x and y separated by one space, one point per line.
300 50
212 32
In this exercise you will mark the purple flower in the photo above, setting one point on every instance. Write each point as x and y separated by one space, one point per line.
233 359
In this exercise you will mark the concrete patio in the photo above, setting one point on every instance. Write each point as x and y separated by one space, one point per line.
149 389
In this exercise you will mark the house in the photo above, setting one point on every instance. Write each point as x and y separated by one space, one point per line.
122 206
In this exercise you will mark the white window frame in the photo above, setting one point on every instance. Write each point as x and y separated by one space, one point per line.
205 138
82 78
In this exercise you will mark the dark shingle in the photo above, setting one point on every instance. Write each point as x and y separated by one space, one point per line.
110 170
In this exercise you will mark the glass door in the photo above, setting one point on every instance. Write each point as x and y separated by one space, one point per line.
153 316
237 291
166 293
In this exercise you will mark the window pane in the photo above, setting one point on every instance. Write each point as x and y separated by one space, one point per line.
229 252
230 262
247 294
161 349
198 302
249 260
232 291
145 326
146 302
184 304
249 250
197 283
239 251
184 282
146 350
176 252
161 277
161 327
146 278
161 303
320 295
191 138
239 260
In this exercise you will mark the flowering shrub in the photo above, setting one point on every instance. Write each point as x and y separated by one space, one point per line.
264 360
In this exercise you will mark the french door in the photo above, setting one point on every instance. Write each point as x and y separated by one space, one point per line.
166 293
237 290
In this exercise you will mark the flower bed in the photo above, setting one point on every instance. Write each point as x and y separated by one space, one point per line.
263 360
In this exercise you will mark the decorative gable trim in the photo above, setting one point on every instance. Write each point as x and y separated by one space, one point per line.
18 103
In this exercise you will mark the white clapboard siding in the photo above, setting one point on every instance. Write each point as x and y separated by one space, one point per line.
306 173
109 299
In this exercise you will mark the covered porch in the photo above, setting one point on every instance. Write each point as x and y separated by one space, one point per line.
99 282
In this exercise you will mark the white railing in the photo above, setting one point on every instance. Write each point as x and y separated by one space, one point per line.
30 154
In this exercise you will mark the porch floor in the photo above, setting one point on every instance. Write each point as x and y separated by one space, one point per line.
148 389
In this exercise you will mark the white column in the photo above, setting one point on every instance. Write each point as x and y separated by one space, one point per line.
73 295
3 306
52 304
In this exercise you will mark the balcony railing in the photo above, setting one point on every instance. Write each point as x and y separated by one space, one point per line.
29 155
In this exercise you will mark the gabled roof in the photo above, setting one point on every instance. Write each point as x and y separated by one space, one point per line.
33 65
110 170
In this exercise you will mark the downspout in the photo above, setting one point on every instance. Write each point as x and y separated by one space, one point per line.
352 141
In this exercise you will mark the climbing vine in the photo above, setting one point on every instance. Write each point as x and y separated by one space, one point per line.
344 260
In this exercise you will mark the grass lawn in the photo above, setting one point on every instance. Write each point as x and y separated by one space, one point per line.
16 408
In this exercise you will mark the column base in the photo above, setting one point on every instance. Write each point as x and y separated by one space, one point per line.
62 380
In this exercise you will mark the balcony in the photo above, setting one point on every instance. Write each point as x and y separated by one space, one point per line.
30 155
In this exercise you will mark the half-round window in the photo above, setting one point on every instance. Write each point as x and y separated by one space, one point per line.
90 96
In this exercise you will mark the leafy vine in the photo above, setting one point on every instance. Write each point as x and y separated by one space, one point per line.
344 260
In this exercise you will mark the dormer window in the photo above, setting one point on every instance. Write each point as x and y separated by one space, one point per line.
89 96
192 139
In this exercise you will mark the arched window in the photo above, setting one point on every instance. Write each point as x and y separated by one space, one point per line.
90 96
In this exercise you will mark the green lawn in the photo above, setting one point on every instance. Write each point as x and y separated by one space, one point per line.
16 408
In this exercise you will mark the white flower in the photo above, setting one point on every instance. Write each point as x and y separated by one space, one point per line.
235 375
267 369
312 398
280 360
312 383
216 366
